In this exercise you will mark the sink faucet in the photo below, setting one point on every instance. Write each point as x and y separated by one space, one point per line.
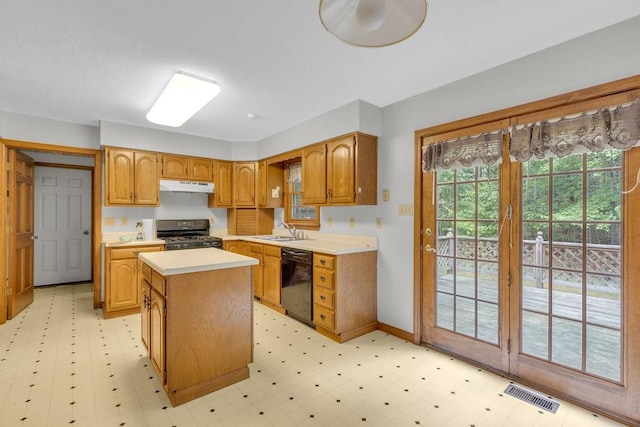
291 228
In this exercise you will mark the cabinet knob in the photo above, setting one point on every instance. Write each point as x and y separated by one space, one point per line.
322 278
323 261
322 297
323 317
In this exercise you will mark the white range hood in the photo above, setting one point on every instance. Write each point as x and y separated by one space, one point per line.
186 186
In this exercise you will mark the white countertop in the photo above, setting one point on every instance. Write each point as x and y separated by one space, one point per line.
113 239
169 263
333 244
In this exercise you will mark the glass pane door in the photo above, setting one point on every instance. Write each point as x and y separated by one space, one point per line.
571 280
467 224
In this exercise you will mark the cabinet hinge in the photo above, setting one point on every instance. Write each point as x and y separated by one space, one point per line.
355 140
508 279
164 311
164 376
9 166
509 346
9 228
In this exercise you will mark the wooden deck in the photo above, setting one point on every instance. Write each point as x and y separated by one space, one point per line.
602 317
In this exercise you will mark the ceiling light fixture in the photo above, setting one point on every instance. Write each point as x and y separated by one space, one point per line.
184 96
372 23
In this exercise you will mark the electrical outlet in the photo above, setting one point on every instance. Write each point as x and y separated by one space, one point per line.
329 221
124 220
211 220
109 221
352 222
378 223
405 210
385 195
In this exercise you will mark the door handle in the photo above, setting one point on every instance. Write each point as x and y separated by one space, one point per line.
85 232
428 248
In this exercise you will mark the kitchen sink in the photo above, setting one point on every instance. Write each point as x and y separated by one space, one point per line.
277 238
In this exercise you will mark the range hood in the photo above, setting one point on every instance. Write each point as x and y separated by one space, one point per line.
186 186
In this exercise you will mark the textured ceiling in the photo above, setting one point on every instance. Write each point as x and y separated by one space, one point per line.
82 61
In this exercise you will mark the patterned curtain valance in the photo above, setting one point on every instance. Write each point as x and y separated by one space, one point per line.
606 128
484 148
294 172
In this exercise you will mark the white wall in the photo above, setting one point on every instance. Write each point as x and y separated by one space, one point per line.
45 131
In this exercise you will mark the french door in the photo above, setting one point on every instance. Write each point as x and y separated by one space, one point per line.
527 267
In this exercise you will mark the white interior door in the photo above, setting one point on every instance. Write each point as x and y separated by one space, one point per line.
62 211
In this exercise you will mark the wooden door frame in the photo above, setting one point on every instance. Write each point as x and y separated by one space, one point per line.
96 209
594 93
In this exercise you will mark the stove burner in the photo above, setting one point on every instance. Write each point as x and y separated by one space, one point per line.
186 234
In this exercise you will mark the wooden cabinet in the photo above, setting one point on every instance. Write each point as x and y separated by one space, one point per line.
123 277
345 294
270 177
131 178
145 330
223 180
244 184
187 168
256 250
237 247
200 330
314 175
249 221
272 277
341 171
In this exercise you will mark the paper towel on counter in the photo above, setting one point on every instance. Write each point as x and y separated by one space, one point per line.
147 229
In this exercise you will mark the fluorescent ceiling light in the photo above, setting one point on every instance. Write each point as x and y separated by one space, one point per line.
183 97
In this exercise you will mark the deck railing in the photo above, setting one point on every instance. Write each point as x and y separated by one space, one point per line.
602 262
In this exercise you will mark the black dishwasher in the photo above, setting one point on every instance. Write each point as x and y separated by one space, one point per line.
297 284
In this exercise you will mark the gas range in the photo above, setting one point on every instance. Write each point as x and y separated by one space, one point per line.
186 234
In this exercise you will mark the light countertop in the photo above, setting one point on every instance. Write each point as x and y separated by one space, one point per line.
169 263
113 240
332 244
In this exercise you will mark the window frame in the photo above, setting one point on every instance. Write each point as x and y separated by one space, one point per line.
310 224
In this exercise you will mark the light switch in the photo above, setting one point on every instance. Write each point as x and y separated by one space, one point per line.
329 222
378 223
385 195
124 220
352 223
405 210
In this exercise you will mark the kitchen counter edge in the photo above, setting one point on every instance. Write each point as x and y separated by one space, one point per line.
169 263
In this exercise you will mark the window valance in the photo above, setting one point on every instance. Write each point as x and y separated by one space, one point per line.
484 148
597 130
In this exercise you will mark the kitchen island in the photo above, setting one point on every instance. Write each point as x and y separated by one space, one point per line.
197 319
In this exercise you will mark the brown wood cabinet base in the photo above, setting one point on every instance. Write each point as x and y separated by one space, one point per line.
272 306
188 394
347 335
120 313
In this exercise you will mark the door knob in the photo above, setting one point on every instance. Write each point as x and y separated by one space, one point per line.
86 232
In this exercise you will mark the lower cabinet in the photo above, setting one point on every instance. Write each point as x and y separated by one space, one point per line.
272 277
198 329
122 285
345 294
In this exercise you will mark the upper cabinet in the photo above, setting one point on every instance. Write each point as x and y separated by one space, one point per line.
223 180
131 178
314 175
341 171
270 177
244 184
187 168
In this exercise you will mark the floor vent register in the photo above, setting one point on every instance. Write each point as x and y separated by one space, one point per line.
532 397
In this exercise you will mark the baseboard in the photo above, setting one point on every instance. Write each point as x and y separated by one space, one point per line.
392 330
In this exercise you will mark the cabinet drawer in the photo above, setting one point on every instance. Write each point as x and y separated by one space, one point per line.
132 252
324 277
324 261
255 247
323 317
146 272
323 297
271 250
158 282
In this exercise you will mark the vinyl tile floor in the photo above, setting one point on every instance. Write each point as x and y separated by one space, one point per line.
62 363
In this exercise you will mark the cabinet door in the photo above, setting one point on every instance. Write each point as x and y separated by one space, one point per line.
262 183
256 251
122 292
157 321
119 176
147 184
271 280
200 169
340 171
145 293
223 178
175 167
314 182
232 246
245 184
